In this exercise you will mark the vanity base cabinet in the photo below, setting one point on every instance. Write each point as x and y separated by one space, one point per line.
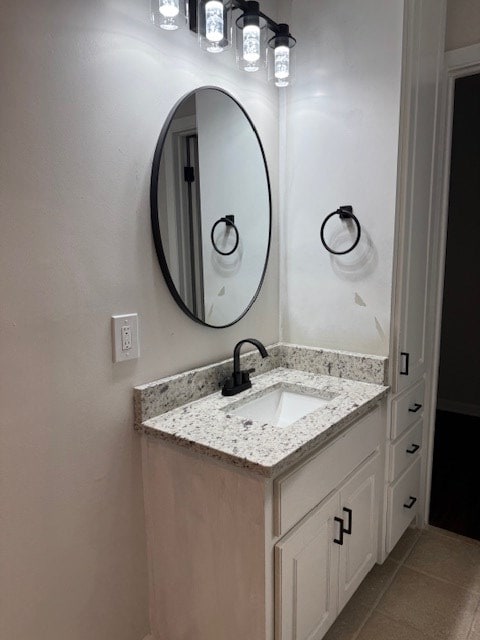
322 561
218 566
206 546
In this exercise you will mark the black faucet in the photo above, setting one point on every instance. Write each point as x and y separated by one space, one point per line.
240 380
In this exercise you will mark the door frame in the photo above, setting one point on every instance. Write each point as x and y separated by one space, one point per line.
458 63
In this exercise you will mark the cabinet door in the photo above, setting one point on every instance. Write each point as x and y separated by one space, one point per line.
306 572
359 503
422 64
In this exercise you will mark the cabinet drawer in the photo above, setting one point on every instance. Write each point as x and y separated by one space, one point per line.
407 408
406 450
296 493
405 491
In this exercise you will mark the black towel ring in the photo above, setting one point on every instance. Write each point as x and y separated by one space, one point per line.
345 213
229 222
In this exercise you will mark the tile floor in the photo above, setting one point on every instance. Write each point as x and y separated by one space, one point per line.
427 589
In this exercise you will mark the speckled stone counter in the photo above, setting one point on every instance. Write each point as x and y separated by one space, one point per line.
207 425
166 394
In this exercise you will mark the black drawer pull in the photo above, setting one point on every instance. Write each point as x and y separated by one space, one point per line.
414 449
411 503
404 370
340 540
416 407
348 528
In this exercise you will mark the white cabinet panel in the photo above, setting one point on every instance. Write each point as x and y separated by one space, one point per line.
407 449
360 505
422 65
306 567
407 408
402 503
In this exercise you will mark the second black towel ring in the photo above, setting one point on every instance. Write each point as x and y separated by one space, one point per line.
345 213
229 222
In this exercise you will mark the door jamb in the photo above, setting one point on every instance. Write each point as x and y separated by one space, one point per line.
458 63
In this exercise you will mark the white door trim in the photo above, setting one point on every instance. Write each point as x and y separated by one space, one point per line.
458 63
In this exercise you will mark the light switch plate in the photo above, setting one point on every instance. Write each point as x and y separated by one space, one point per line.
125 337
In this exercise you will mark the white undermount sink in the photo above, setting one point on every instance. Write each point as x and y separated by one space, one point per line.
280 407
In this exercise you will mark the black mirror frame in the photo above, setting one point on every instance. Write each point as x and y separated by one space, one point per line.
154 211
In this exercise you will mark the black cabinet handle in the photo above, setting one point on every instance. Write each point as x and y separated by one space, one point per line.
414 449
348 528
411 503
404 370
340 540
416 407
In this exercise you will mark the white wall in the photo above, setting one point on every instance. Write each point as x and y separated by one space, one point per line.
342 143
85 90
463 23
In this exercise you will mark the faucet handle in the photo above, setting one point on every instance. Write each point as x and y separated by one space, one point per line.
246 374
226 383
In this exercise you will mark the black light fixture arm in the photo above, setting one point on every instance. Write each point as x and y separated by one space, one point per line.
243 5
235 4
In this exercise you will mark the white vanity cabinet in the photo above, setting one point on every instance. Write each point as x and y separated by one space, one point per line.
322 561
236 555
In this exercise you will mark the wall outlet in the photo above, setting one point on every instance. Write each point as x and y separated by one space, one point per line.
125 337
126 332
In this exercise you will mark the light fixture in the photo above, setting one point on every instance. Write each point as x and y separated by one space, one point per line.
169 14
282 60
212 20
214 25
250 38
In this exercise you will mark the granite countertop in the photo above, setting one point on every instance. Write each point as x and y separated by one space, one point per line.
208 427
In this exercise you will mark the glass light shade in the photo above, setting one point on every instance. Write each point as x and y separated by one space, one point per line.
169 14
169 8
281 58
251 42
282 63
214 25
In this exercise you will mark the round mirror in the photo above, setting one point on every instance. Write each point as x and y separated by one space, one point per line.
211 207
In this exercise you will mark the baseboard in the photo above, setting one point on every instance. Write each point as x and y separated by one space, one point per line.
459 407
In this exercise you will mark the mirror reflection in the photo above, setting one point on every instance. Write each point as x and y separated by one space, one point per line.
211 207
